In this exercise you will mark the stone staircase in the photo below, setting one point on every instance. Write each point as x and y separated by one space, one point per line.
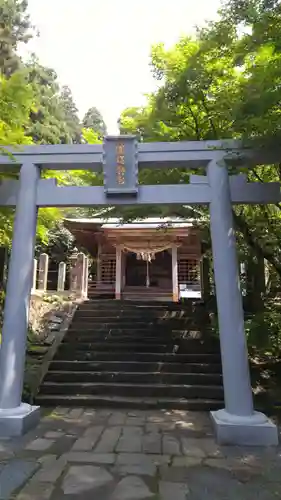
136 355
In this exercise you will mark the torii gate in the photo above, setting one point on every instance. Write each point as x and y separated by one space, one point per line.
120 157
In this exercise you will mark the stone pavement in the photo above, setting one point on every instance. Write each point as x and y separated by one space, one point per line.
132 455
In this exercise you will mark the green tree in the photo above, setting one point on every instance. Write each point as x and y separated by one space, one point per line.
15 28
70 114
48 122
253 28
17 102
222 83
93 119
138 121
59 245
33 108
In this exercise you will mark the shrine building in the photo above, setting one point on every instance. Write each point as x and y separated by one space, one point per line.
151 259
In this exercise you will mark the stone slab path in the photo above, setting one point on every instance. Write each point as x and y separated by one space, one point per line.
91 454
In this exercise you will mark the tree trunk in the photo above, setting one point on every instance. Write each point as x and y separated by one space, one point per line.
255 282
259 252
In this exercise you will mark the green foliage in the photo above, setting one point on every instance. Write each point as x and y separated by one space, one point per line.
136 121
54 299
48 123
70 114
88 177
263 331
34 109
17 101
94 120
90 136
222 83
47 219
15 28
59 243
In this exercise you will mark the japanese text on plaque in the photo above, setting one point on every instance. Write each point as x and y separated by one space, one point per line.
120 167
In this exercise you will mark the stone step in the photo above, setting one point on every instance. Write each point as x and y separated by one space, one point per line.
105 401
143 337
157 315
111 346
129 355
129 330
141 308
148 312
125 305
130 304
137 311
139 322
161 357
109 322
141 390
114 346
121 313
157 377
135 366
132 326
133 333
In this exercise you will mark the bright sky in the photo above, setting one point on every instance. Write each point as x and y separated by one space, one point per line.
101 48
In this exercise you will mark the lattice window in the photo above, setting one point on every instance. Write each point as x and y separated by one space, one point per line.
108 270
188 271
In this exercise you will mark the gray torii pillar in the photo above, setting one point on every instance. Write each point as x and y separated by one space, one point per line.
17 417
237 423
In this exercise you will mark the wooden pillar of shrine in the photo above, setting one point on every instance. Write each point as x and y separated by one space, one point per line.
99 264
118 280
175 273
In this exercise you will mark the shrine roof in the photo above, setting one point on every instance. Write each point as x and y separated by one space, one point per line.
115 223
90 232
